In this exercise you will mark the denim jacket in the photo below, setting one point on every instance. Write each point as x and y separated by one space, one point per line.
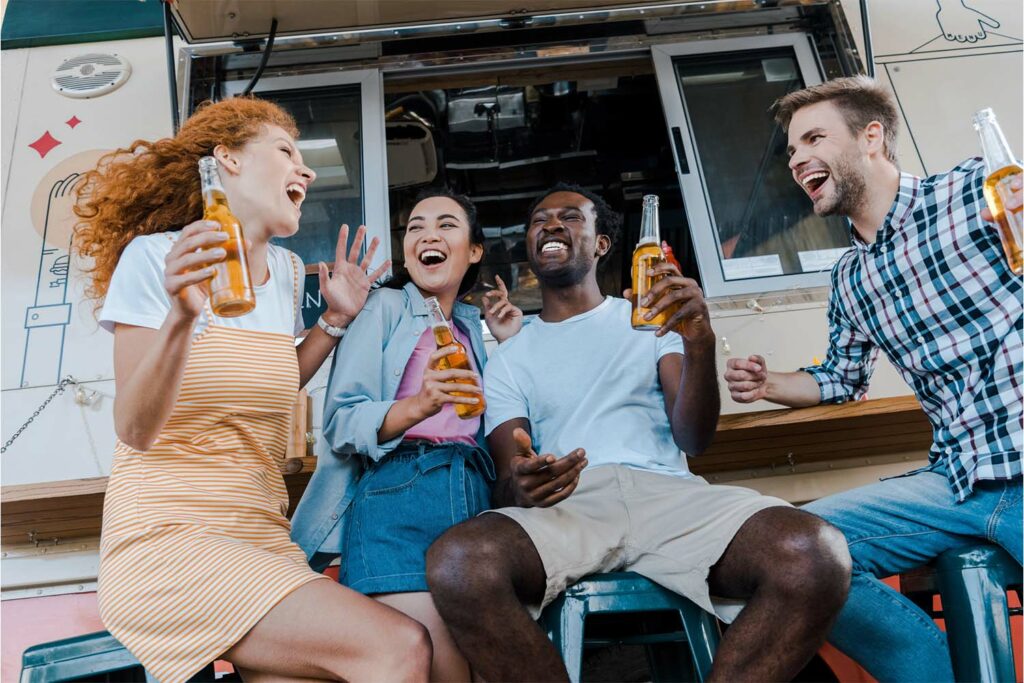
367 368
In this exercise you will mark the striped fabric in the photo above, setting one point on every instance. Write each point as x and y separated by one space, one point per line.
934 293
195 547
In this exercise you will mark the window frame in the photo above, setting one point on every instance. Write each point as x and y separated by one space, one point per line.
693 183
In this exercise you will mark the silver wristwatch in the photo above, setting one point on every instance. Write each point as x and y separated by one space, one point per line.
336 332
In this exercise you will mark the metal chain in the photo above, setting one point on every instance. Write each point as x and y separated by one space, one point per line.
59 390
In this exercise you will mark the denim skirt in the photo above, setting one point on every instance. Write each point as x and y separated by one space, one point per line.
402 504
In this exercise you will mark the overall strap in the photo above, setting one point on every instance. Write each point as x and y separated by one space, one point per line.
296 282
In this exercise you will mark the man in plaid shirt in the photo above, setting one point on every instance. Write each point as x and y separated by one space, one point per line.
927 283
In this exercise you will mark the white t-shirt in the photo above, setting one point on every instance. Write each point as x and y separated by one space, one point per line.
136 295
587 382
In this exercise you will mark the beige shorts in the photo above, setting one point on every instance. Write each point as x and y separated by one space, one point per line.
670 529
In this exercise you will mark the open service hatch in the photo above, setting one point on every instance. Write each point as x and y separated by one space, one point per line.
626 99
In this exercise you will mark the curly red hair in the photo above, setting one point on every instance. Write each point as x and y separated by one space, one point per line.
151 187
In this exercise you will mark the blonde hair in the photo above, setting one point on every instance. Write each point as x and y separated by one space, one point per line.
860 100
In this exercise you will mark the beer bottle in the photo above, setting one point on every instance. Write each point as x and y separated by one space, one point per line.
231 292
459 360
646 256
1001 168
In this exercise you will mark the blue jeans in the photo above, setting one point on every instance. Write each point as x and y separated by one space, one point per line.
896 525
402 504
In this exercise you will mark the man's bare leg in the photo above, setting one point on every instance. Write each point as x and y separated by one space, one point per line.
794 571
481 573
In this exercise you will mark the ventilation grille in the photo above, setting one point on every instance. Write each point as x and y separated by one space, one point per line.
90 75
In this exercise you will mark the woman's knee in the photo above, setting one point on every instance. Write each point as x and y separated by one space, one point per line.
416 651
404 655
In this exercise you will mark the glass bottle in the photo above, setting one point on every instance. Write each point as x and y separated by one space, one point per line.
231 291
1001 167
459 360
646 256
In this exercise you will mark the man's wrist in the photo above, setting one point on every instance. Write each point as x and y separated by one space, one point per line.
503 494
701 346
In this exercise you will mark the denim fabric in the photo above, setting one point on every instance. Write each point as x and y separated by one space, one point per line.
402 505
896 525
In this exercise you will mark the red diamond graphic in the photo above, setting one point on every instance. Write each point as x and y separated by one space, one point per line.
44 144
73 121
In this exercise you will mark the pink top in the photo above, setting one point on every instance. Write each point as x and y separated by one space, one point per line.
446 426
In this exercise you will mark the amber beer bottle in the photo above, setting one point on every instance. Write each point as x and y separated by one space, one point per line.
646 256
231 292
1001 168
459 360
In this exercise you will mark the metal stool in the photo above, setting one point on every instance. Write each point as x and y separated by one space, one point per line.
92 657
628 592
973 581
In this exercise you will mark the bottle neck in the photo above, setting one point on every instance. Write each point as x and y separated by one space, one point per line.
435 312
213 190
994 147
214 196
650 232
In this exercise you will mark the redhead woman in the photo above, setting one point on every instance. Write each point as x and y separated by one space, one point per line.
196 562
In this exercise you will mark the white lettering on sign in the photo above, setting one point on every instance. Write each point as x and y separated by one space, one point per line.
312 301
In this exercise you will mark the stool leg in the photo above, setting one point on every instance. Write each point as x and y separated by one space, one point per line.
565 629
703 636
977 625
670 662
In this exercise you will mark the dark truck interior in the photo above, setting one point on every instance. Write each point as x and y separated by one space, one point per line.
503 138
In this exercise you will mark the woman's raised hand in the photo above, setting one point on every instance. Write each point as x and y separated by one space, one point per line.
504 319
346 289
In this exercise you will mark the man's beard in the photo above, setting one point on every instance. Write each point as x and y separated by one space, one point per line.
850 189
569 275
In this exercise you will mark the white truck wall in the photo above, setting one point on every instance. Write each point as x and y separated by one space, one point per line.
48 330
940 82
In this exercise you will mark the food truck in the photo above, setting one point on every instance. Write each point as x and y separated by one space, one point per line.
498 99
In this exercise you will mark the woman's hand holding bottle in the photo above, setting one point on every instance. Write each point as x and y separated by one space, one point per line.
441 386
188 266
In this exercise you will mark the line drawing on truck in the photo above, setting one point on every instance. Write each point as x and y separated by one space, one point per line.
47 319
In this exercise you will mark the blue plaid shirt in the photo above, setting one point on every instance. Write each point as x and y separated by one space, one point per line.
935 294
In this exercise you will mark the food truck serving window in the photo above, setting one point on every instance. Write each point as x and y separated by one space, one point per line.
753 227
